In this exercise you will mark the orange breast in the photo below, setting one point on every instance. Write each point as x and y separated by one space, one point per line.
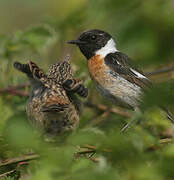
97 69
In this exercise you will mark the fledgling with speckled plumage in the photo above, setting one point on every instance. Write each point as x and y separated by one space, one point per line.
53 106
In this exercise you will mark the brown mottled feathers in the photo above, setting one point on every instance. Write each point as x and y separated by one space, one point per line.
64 69
55 103
50 107
36 71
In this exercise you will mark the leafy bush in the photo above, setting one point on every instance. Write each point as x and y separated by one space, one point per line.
97 150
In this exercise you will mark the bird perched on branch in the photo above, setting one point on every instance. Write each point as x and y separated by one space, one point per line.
110 69
53 106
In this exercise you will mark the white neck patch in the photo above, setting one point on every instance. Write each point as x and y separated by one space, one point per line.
110 47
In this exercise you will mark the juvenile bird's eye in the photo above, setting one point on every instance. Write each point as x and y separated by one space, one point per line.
93 37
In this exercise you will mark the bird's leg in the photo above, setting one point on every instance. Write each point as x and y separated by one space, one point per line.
169 115
75 86
134 119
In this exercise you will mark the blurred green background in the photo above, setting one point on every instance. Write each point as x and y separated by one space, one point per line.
37 30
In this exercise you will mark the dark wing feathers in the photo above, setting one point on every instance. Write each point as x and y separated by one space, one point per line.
31 69
121 65
25 68
36 71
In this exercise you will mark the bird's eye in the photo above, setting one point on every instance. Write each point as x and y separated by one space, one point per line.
93 37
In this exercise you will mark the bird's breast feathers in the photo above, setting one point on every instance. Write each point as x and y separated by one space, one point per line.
97 69
110 84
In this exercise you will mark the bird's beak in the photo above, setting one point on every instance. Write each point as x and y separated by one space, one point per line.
77 42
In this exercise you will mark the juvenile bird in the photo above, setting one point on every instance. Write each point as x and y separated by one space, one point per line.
52 106
111 69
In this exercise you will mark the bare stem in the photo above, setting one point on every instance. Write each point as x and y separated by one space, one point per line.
18 159
14 90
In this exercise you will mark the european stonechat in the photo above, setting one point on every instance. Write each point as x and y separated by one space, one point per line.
111 69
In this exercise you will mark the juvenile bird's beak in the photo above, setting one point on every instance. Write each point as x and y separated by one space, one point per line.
77 42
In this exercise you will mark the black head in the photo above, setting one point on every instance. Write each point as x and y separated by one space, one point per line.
91 41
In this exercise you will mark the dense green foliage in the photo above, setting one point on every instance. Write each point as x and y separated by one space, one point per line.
143 30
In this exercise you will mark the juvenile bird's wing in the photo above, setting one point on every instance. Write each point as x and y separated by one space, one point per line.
37 73
25 68
119 64
75 85
32 71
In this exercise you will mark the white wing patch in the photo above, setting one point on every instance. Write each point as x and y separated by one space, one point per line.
110 47
138 74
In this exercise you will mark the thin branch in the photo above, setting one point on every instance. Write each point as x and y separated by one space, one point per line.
96 160
87 146
14 90
160 71
161 143
7 173
105 109
86 152
19 159
20 86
